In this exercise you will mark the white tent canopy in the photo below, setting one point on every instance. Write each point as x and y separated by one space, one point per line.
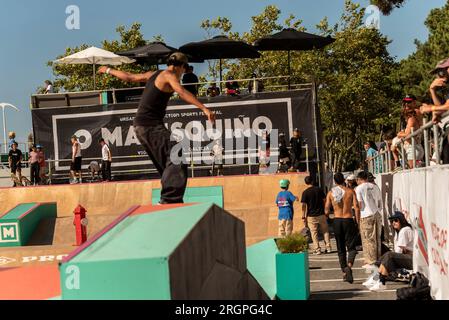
95 56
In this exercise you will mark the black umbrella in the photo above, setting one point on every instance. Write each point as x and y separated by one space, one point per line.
292 40
154 53
220 47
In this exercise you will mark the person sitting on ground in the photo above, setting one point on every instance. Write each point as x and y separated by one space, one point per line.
232 87
284 201
213 90
401 258
94 169
313 214
259 87
188 78
343 200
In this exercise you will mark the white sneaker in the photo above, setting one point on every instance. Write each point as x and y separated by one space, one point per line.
372 280
378 287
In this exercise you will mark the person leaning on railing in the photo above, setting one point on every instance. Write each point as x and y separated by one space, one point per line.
438 108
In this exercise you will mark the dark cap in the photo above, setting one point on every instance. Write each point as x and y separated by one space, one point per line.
397 215
409 98
443 64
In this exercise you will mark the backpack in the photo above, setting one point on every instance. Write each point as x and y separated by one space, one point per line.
418 289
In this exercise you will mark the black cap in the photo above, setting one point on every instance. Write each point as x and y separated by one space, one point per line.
397 215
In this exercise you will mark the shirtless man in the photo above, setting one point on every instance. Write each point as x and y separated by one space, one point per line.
343 200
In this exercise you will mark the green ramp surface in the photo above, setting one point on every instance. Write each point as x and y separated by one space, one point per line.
261 261
197 195
131 260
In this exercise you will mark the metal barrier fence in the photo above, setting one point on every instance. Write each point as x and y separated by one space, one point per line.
382 162
193 157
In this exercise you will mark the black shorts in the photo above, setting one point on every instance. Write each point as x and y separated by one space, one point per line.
16 167
393 261
76 166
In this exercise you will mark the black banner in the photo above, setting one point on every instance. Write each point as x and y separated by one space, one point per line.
240 122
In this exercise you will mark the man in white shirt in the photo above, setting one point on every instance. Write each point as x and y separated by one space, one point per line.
106 160
370 203
75 166
217 152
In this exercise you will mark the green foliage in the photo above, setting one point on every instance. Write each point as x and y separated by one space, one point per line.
357 93
387 6
294 243
79 77
413 74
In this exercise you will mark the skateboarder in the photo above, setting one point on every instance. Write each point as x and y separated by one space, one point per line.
149 124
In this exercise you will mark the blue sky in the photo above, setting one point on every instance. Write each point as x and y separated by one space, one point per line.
33 32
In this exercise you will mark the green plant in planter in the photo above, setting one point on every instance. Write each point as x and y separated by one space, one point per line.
294 243
292 268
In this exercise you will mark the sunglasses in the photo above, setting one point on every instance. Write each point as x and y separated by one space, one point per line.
395 220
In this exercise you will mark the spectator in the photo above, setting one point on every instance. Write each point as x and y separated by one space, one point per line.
313 214
106 161
264 152
49 87
15 158
343 200
259 87
232 87
34 166
296 143
370 204
12 139
42 163
94 169
442 77
412 118
213 90
217 153
284 202
188 78
371 153
351 182
284 154
75 167
400 258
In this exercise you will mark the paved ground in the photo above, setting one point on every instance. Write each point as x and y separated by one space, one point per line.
327 280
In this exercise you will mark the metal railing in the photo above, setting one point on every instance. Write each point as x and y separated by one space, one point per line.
193 157
381 163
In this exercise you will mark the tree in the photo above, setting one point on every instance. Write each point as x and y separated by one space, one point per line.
79 77
387 6
356 91
413 75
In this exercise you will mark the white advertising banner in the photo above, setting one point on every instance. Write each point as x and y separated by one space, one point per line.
437 225
423 197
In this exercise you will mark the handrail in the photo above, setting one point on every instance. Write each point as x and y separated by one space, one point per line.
423 130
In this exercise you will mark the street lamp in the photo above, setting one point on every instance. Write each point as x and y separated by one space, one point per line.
3 106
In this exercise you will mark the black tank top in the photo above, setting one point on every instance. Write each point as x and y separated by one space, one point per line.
153 104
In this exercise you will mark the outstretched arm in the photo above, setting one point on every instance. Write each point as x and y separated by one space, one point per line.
126 76
188 97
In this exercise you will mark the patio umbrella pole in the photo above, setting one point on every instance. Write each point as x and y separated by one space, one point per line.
94 76
221 76
289 70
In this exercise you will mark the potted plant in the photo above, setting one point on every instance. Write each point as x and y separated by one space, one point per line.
292 268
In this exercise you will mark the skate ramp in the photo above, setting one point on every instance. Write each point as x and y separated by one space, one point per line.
182 253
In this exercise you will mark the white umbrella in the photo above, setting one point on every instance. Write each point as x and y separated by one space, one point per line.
95 56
